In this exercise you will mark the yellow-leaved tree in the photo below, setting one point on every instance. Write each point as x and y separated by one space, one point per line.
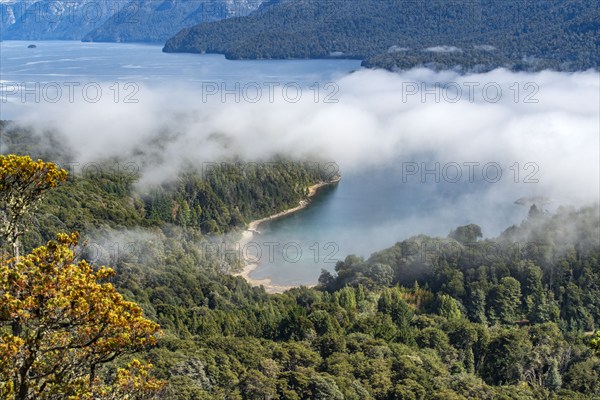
23 183
60 320
596 343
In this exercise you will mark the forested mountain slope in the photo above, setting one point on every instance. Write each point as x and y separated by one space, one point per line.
470 34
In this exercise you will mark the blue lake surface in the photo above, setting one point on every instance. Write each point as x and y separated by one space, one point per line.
62 61
367 211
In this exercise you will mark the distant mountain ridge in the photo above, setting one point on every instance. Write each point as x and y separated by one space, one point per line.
53 19
112 20
395 34
157 21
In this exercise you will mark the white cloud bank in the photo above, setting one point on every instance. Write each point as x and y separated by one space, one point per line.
380 119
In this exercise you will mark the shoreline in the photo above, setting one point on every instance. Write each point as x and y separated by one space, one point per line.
252 229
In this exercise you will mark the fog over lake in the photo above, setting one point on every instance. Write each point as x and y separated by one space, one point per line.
418 151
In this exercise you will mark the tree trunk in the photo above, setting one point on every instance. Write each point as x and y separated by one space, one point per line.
22 384
16 245
16 250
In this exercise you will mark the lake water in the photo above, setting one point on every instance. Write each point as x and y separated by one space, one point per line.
370 211
367 211
68 61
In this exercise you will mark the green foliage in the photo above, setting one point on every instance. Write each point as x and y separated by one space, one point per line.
596 343
448 307
507 357
227 195
584 376
466 234
505 299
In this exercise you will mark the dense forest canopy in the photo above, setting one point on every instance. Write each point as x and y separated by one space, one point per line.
459 317
475 35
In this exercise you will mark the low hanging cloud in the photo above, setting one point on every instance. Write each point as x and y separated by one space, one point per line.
542 126
444 49
485 47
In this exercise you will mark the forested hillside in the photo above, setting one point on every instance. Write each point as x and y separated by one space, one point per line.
515 327
212 198
473 35
459 317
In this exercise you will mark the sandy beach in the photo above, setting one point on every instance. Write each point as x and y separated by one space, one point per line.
253 227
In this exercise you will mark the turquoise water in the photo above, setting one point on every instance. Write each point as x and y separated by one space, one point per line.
367 211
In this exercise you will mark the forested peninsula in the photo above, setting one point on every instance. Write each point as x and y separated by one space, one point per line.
465 36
